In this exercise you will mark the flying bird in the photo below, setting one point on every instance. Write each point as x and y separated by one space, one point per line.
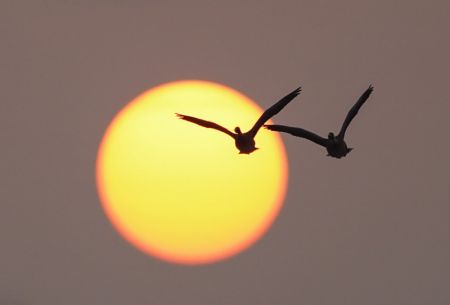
335 145
245 142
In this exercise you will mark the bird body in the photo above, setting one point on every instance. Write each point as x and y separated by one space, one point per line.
245 142
335 145
337 148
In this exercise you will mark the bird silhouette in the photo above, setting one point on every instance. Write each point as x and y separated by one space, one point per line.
335 145
245 142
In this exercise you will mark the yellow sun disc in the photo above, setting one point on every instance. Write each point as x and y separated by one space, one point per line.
182 192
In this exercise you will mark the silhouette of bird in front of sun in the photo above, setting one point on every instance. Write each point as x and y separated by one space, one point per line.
245 142
335 145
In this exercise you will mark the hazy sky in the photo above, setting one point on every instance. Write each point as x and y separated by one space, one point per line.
372 228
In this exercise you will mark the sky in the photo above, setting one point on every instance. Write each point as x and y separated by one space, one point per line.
372 228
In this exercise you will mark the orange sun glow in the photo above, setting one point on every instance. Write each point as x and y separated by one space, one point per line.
181 192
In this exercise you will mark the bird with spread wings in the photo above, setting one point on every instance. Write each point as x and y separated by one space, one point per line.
335 145
245 142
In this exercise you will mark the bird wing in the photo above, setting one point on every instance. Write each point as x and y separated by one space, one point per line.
274 109
354 110
206 124
299 132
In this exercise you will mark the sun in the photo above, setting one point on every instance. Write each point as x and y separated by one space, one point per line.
181 192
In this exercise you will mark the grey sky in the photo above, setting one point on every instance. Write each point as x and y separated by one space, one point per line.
372 228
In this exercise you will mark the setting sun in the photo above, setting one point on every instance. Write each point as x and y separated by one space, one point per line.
181 192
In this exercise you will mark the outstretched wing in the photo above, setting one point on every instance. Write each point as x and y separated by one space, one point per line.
206 124
299 132
274 110
354 110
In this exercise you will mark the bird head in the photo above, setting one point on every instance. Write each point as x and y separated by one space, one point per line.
331 136
237 130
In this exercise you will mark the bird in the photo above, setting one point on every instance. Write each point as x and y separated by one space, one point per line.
245 142
335 145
